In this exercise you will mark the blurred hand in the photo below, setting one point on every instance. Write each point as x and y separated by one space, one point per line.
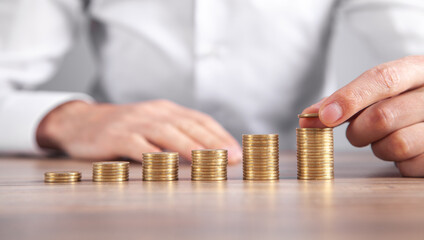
385 107
107 131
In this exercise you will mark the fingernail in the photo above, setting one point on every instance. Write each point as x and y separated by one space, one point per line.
331 113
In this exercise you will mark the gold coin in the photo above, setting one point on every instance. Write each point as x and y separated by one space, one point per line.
62 177
63 173
315 165
111 163
160 160
263 169
210 164
110 176
209 151
158 172
209 175
260 178
261 164
330 173
315 171
260 155
110 169
261 173
315 178
160 179
125 169
61 181
209 169
260 141
209 158
212 160
159 169
260 160
110 180
315 159
308 115
314 129
209 179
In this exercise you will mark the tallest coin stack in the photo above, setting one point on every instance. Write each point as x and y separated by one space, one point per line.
315 154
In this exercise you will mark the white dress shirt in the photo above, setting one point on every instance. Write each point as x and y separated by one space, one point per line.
252 65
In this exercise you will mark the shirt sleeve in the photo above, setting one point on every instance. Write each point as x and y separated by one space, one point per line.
34 37
20 115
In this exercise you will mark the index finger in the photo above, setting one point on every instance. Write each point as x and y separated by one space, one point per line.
381 82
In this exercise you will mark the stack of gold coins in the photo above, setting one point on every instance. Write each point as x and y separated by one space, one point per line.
260 157
315 154
160 166
115 171
209 164
62 177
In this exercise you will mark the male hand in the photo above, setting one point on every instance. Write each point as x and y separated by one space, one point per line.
385 107
107 131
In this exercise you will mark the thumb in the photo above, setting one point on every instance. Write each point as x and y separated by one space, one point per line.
381 82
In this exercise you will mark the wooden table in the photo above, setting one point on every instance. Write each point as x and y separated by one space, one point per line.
367 199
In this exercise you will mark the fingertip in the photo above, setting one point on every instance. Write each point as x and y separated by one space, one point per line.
234 155
311 123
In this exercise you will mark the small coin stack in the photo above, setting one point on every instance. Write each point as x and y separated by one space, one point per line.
209 165
62 177
160 166
260 157
115 171
315 155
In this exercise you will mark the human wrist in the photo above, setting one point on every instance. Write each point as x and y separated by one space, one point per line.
58 122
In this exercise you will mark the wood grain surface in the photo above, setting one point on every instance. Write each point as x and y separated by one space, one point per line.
368 200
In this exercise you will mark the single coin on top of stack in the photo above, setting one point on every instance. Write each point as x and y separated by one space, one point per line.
113 171
261 157
209 164
315 152
62 177
160 166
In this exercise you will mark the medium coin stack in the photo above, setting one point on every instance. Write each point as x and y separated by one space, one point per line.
315 154
62 177
209 164
114 171
260 157
160 166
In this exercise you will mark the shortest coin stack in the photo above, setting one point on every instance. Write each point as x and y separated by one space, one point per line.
209 164
62 177
160 166
115 171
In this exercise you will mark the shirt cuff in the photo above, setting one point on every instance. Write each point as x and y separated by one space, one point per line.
20 114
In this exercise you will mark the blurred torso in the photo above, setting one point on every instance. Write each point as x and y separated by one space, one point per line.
252 65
